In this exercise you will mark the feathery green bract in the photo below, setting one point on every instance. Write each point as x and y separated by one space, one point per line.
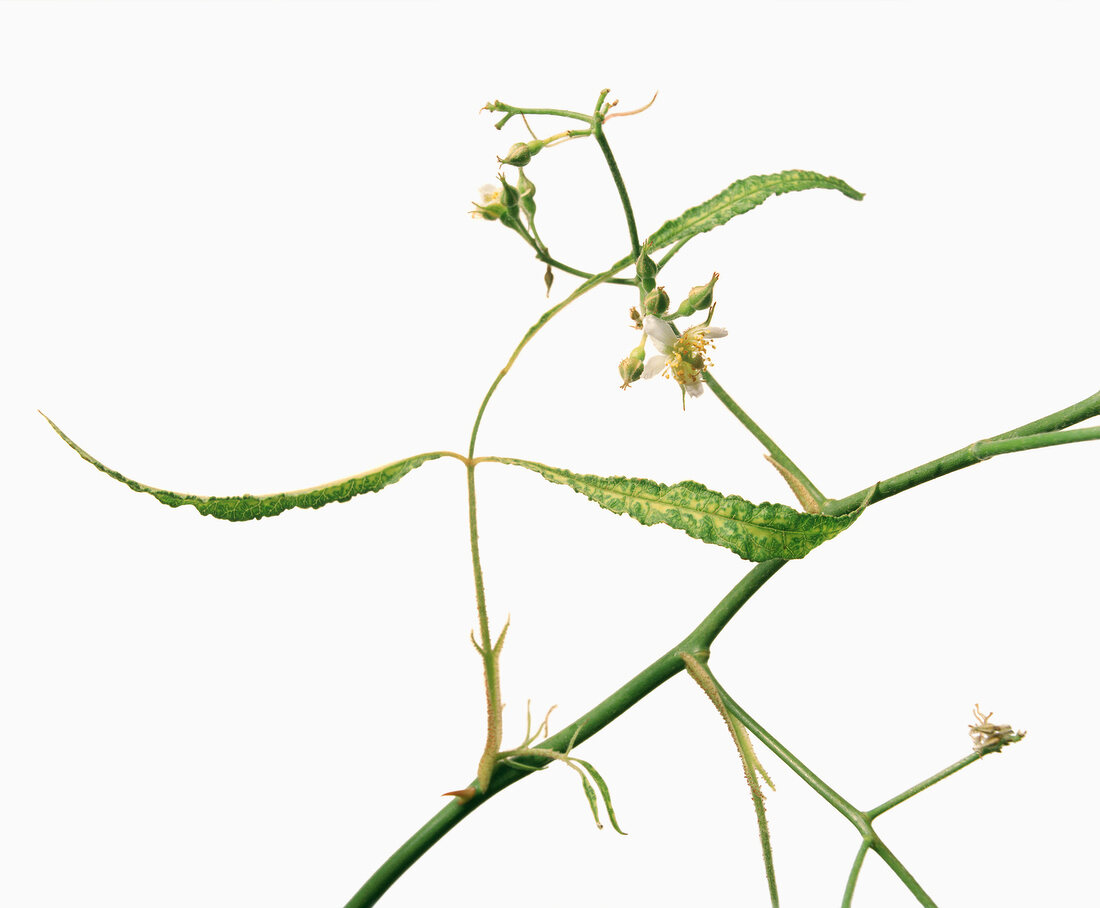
253 507
756 532
739 197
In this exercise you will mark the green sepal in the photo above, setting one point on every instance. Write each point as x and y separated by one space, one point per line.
602 786
739 197
756 532
254 507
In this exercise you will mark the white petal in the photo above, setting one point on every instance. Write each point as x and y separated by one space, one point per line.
695 389
489 193
655 365
661 332
713 332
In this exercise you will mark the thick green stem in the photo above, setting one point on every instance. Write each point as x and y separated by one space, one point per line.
637 688
1009 442
772 448
902 873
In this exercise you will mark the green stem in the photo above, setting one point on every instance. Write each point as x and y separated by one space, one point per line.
849 812
749 763
593 281
856 817
601 140
671 252
761 436
511 111
597 718
543 255
853 876
1007 443
891 861
494 732
921 786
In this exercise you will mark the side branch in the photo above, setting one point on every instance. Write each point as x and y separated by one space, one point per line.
637 688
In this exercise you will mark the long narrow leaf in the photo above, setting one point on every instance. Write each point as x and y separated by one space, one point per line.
253 507
739 197
756 532
602 786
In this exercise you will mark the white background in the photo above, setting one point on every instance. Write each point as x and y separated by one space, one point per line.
236 257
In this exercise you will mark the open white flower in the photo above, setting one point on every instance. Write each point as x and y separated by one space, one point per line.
682 357
490 207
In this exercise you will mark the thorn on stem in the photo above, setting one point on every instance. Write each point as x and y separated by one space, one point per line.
464 795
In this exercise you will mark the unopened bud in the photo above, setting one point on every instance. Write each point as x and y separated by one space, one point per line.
522 152
699 298
526 191
655 302
631 368
509 197
490 212
646 270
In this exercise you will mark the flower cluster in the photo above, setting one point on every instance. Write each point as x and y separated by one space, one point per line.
685 356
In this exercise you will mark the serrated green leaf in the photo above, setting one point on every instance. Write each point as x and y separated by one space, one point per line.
602 786
756 532
254 507
739 197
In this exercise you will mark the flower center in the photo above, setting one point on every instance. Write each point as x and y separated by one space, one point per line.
689 358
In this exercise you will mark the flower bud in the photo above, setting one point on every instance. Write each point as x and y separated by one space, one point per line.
631 368
646 269
699 298
526 191
522 152
509 197
490 212
655 302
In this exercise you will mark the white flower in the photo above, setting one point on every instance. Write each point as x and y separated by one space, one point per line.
682 357
490 208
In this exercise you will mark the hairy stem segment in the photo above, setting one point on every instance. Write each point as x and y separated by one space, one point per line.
490 652
597 718
773 449
857 818
748 762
